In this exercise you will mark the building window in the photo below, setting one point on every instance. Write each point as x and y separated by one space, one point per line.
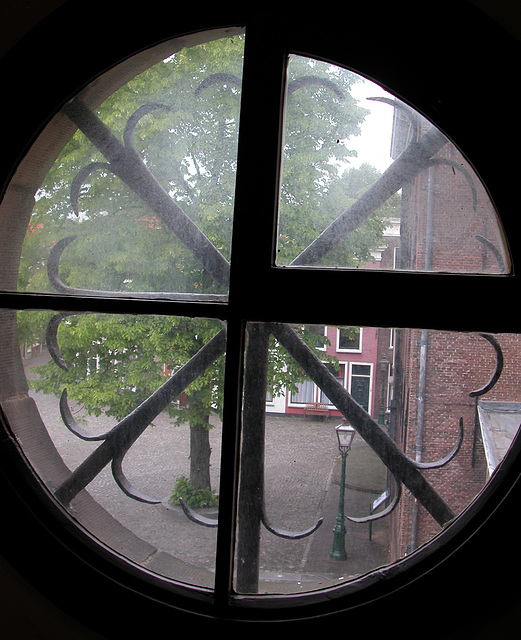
306 392
361 384
349 339
319 333
158 352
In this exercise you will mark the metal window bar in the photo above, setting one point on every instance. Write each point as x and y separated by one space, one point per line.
123 160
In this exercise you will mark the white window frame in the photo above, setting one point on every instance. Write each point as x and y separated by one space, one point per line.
360 341
370 377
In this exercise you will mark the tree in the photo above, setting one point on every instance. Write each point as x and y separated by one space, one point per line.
184 113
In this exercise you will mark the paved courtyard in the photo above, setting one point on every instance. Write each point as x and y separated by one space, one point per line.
302 485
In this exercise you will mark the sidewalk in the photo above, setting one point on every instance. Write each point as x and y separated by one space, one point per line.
301 486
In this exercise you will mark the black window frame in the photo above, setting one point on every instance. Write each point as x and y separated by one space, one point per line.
445 102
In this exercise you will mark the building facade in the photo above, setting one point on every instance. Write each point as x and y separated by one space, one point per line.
437 378
355 353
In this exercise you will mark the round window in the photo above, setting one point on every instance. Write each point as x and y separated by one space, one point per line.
209 394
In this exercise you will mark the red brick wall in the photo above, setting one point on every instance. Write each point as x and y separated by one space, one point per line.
461 211
456 363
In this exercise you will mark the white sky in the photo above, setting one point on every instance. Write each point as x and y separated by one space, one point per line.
374 144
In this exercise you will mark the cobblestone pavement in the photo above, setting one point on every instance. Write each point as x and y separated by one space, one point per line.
302 485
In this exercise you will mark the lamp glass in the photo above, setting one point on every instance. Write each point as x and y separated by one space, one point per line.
345 434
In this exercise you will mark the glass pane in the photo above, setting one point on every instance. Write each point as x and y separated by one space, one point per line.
417 389
141 197
131 405
367 182
360 389
349 339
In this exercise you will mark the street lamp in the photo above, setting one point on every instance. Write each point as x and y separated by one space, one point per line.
345 434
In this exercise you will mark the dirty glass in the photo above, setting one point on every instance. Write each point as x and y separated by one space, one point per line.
122 415
123 411
140 200
359 164
133 407
448 419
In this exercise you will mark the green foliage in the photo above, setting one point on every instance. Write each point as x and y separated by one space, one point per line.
32 326
195 498
321 120
115 362
355 250
189 144
188 141
284 374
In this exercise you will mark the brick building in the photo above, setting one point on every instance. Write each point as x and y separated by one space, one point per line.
355 350
448 224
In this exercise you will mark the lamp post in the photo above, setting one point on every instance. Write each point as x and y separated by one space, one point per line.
381 415
345 434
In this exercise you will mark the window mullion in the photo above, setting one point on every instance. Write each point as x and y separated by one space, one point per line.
230 442
258 163
256 197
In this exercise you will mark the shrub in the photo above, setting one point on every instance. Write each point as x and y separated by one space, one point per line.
195 498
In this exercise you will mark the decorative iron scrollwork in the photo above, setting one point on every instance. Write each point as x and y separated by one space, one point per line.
123 160
117 441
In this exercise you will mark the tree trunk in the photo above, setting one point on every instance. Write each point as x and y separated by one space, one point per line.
200 454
